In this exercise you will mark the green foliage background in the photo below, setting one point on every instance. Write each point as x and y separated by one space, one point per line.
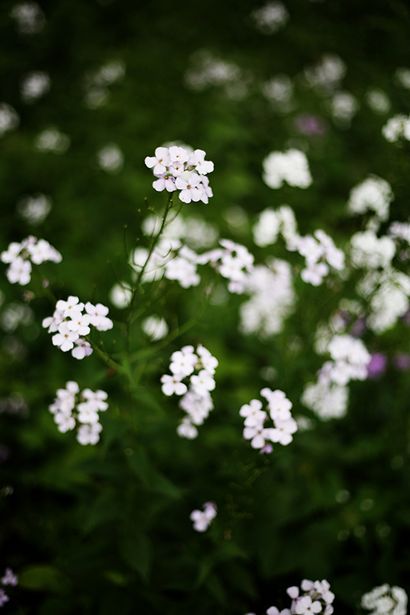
106 528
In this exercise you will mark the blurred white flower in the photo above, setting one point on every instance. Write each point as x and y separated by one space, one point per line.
155 327
34 209
110 158
8 118
289 167
202 518
34 86
29 17
378 101
374 194
52 140
396 128
270 17
371 252
120 295
385 600
20 256
344 107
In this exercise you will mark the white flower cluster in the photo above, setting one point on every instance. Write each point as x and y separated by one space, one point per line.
284 426
72 320
34 209
289 167
270 17
74 408
368 251
328 396
197 367
320 255
385 600
202 518
178 168
387 293
34 86
21 256
271 298
233 262
8 118
319 250
312 598
373 195
326 399
349 360
396 128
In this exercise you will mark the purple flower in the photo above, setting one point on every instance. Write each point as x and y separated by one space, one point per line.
3 597
377 365
310 125
402 361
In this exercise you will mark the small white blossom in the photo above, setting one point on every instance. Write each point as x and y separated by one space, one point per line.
202 518
8 118
120 295
270 17
396 128
52 140
34 209
155 328
110 158
373 195
34 86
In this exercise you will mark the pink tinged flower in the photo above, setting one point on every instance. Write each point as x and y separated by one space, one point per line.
3 597
9 578
81 350
9 255
178 155
187 430
377 365
198 160
70 307
79 323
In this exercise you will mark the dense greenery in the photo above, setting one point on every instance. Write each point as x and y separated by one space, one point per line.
106 528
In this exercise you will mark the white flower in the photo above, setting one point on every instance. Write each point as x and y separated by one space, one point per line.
29 17
8 118
270 17
34 85
121 295
344 107
52 140
397 127
289 167
202 382
98 316
187 430
183 361
9 578
327 74
110 158
202 518
154 327
172 385
371 252
34 209
19 272
65 337
79 323
374 194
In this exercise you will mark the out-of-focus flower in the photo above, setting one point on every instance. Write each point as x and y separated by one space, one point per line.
377 365
202 519
20 256
34 86
34 209
344 107
401 361
120 295
8 118
52 140
327 74
385 600
155 327
110 158
289 167
310 125
270 17
396 128
29 17
373 195
378 101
